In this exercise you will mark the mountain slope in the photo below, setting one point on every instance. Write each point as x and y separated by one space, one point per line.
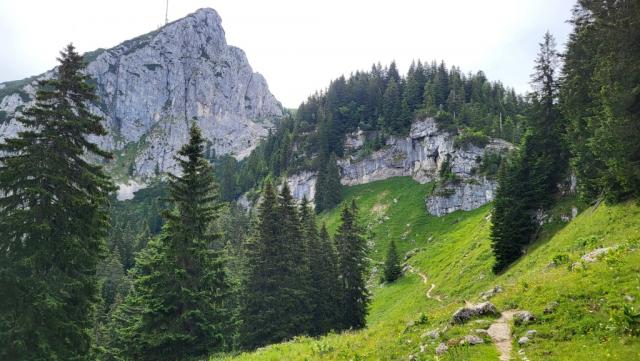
153 86
589 321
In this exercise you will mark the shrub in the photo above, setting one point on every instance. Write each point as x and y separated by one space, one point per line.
469 137
445 122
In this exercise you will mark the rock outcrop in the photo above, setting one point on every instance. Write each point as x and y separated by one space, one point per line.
153 87
421 155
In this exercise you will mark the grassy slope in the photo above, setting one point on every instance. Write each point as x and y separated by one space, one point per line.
455 254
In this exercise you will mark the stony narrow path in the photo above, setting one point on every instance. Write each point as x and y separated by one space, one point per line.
425 280
500 333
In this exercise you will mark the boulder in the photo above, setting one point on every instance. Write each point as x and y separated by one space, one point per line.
531 333
471 340
596 253
433 334
551 307
523 340
441 349
523 317
490 293
464 314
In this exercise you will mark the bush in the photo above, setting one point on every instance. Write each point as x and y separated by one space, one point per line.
469 137
445 122
560 259
490 164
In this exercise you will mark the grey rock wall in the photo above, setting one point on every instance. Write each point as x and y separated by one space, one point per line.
420 155
153 87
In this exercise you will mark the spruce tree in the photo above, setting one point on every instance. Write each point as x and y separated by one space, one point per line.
294 280
529 181
392 269
328 187
323 269
333 194
600 98
391 106
321 184
180 282
52 220
352 256
275 301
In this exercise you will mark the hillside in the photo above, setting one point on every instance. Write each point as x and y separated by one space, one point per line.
589 321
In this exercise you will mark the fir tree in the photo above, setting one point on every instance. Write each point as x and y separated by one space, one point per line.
180 282
323 268
328 187
227 176
392 269
294 280
259 312
52 220
352 253
391 106
601 99
529 182
275 302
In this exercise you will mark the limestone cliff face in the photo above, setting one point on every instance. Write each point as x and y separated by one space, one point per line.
153 87
420 155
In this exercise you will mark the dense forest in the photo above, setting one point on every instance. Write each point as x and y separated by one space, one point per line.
182 272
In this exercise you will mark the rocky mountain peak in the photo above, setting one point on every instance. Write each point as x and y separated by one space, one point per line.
151 88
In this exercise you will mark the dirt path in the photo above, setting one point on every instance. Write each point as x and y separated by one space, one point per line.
500 333
425 281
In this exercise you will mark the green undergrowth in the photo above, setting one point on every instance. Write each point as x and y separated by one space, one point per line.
597 312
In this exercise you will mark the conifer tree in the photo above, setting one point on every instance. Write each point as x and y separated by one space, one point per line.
260 314
328 187
352 253
180 282
392 269
529 181
323 268
294 280
391 105
52 220
275 301
601 99
334 187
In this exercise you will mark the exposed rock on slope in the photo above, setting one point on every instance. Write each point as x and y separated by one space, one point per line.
153 86
422 155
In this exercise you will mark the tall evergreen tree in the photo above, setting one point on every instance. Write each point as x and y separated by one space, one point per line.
392 106
260 312
180 282
275 302
227 176
601 98
528 183
392 269
328 187
323 269
52 220
352 256
294 280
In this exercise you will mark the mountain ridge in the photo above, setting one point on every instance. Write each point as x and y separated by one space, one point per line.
153 86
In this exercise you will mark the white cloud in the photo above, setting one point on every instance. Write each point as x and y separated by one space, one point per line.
301 45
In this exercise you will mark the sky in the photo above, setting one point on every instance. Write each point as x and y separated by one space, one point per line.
299 45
